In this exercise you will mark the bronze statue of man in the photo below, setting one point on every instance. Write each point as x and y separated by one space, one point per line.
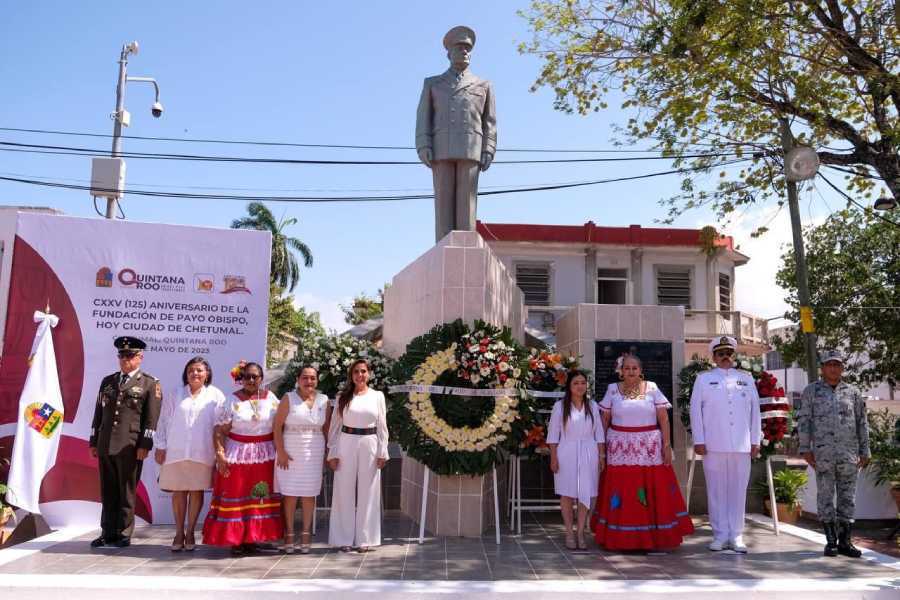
456 134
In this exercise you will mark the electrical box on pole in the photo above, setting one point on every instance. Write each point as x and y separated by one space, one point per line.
107 177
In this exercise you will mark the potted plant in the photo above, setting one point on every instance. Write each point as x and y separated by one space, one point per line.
885 448
788 484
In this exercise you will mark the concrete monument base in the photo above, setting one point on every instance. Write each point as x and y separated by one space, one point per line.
459 278
456 505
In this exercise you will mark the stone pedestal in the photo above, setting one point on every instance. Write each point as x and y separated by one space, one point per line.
460 277
457 505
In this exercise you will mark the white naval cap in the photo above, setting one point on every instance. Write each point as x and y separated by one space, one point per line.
724 341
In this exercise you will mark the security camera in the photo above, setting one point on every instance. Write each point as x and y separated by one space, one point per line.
156 110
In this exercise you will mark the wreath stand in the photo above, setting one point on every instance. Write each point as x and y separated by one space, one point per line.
425 507
769 481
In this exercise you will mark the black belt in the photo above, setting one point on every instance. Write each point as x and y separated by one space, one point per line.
359 430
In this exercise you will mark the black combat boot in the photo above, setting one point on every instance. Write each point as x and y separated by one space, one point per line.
845 545
831 547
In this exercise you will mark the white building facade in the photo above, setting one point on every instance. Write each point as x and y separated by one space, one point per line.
558 266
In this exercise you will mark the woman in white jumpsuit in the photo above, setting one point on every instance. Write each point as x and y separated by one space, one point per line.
357 450
575 437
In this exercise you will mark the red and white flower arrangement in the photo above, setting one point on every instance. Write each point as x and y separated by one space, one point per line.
485 360
775 413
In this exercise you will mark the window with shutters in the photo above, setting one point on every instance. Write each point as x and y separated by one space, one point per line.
612 286
534 281
724 292
673 286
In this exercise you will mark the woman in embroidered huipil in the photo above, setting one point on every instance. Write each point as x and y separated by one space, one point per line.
639 506
184 446
244 508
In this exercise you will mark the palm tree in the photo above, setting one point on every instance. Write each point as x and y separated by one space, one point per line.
285 270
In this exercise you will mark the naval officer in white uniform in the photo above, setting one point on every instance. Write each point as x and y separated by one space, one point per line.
726 429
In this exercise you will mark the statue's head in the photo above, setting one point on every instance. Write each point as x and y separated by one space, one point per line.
459 42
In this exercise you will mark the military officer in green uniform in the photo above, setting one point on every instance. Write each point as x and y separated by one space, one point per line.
125 419
834 440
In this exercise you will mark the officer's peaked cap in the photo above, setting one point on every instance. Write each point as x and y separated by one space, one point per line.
459 35
720 342
126 343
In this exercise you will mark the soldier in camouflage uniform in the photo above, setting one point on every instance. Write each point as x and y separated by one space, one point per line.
125 417
834 440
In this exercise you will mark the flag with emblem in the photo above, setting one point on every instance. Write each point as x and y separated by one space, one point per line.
40 420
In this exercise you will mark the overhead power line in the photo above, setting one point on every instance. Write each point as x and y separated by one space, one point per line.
79 151
389 198
308 145
851 199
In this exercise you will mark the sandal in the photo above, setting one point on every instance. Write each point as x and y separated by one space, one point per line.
190 543
288 546
178 542
570 541
345 548
582 545
304 542
364 549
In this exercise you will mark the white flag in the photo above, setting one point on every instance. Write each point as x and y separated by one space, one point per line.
40 420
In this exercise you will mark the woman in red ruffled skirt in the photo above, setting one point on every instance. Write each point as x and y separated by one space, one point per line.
245 509
639 504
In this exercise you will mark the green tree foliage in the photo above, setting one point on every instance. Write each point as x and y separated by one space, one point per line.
854 266
284 270
716 76
288 326
364 308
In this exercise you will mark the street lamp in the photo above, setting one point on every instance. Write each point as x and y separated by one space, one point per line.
121 118
800 164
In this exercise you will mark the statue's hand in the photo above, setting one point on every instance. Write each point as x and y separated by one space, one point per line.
425 156
486 160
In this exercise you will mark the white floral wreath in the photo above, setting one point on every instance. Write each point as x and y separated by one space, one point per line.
470 439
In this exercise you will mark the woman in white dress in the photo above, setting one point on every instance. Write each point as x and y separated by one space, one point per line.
184 446
300 426
357 450
577 452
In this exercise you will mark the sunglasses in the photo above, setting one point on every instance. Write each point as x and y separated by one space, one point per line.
250 377
724 353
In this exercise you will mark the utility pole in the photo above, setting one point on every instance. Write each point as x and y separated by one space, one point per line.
112 203
806 318
121 118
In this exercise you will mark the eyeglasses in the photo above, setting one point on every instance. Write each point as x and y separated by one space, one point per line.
251 377
724 353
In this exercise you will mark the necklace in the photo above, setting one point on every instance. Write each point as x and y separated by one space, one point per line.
254 405
632 394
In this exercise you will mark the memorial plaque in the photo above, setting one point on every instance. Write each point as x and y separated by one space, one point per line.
656 358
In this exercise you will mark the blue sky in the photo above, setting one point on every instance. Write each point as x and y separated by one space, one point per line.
310 72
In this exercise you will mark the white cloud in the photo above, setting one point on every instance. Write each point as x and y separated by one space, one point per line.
755 289
328 308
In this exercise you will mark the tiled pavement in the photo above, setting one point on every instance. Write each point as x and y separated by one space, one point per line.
538 554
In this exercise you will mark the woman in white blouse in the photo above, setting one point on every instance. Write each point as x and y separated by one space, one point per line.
244 509
300 426
577 452
184 446
639 506
357 450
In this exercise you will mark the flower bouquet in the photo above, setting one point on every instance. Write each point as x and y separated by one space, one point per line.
775 413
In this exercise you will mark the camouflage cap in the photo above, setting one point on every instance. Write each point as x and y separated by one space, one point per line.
831 356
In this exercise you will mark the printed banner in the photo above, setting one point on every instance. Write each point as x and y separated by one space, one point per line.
185 291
